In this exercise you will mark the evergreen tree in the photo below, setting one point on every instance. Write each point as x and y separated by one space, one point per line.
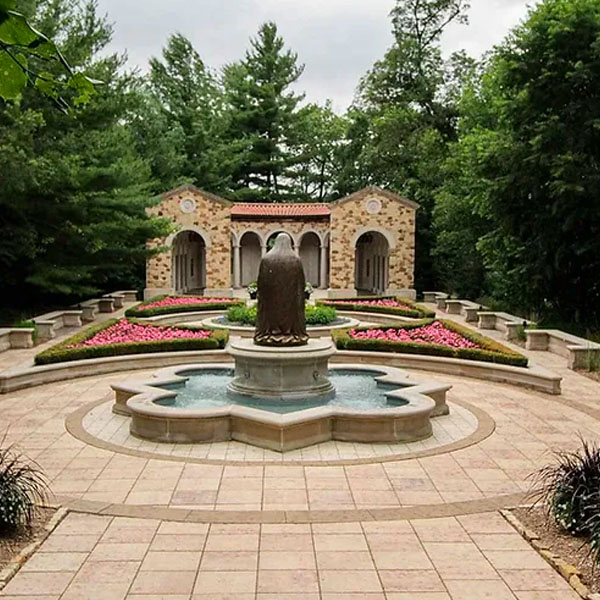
74 191
319 138
191 101
263 119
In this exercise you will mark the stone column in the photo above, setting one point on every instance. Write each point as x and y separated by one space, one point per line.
263 250
236 266
323 268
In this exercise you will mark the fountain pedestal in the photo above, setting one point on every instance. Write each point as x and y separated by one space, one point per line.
287 373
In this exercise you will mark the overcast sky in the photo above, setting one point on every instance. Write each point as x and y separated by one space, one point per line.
337 40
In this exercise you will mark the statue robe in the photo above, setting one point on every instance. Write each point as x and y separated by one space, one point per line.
281 320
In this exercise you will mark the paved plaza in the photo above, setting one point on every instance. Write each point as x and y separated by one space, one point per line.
335 521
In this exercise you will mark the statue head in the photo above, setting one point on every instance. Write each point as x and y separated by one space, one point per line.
283 243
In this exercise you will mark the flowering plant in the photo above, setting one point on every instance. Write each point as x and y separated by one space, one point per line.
164 305
433 333
124 336
125 331
383 304
428 336
183 300
389 302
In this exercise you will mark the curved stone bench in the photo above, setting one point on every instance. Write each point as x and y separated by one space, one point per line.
579 352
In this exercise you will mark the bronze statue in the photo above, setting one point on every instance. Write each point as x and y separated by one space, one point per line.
281 320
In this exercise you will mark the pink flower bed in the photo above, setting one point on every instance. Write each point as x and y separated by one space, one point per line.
389 303
169 301
125 331
434 333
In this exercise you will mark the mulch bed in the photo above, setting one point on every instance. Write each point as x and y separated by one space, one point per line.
12 543
572 550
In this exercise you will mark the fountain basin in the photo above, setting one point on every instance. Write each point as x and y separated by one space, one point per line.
406 418
283 373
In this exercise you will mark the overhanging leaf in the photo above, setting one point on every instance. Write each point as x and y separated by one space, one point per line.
12 76
15 30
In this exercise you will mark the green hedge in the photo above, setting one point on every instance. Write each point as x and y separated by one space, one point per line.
490 351
414 311
140 311
315 315
61 353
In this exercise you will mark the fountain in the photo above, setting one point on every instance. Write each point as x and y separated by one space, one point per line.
280 395
281 361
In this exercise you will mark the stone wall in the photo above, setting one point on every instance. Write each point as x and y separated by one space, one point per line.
375 210
206 214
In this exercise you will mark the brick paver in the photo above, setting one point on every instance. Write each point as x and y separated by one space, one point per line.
472 558
157 555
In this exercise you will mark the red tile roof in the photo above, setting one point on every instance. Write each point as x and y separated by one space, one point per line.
255 209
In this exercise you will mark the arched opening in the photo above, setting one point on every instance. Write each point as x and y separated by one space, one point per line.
309 255
372 261
250 255
188 270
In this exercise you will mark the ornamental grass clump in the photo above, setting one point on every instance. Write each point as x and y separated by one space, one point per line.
570 491
22 487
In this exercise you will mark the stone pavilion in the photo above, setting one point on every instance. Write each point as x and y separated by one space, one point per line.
362 243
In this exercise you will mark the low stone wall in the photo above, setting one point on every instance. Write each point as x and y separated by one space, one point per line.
533 377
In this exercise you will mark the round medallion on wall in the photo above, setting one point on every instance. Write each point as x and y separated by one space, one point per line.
187 205
373 206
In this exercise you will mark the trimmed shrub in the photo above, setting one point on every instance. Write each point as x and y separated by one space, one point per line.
242 314
412 310
315 315
64 351
140 311
22 486
320 315
488 351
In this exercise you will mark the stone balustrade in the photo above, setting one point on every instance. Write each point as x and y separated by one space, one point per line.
580 353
